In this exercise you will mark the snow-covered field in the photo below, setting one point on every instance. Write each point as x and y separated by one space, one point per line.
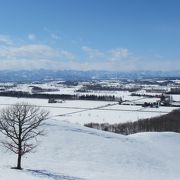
72 90
70 151
81 112
176 97
73 152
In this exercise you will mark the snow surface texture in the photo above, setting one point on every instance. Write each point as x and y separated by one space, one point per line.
73 152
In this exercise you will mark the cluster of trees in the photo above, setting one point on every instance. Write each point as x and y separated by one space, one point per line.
70 83
99 87
36 89
20 124
175 90
168 122
154 104
146 95
99 98
58 96
21 94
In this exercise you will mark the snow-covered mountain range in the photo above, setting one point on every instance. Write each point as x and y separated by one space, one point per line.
31 75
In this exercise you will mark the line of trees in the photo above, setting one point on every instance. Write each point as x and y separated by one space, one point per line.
168 122
21 94
147 95
98 98
98 87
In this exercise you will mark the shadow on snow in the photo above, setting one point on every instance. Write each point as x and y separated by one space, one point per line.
52 175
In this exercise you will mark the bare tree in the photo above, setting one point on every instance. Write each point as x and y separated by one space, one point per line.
21 123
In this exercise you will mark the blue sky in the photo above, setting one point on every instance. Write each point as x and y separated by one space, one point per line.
116 35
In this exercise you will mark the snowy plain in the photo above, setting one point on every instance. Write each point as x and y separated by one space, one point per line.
83 111
70 151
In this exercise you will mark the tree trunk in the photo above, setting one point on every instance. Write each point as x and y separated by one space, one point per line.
19 161
19 147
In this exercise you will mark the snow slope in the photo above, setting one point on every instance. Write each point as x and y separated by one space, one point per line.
73 152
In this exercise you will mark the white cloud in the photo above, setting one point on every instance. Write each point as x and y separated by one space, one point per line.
5 40
21 55
119 53
120 59
34 51
112 55
92 53
31 36
129 65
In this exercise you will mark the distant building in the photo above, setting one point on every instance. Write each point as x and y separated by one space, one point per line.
152 105
166 100
175 90
53 100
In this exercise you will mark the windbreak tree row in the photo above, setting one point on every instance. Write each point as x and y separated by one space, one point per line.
168 122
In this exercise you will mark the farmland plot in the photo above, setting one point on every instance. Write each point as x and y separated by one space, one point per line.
81 112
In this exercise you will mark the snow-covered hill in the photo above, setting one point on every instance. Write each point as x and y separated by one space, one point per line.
73 152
